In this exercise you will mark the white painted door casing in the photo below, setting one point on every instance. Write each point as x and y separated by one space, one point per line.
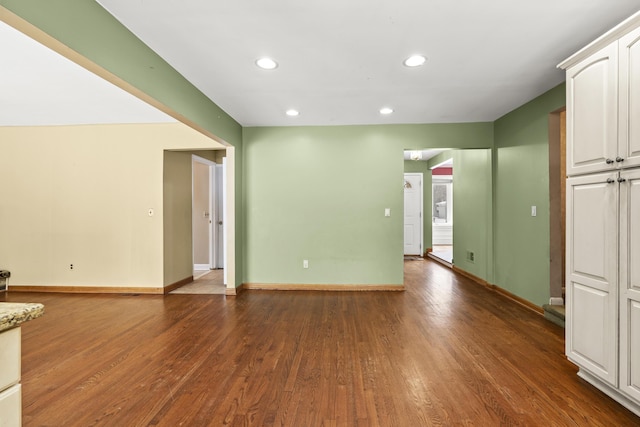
592 276
413 214
630 283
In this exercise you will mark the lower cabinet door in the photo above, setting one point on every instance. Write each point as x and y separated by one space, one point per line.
11 407
592 274
630 283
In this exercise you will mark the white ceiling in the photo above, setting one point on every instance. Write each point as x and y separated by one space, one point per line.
340 61
40 87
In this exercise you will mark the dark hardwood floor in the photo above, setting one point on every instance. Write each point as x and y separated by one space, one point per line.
445 352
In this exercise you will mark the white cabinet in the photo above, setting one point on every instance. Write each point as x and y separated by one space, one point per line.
629 99
603 104
10 392
592 265
592 112
603 213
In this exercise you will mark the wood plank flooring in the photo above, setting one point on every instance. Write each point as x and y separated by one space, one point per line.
445 352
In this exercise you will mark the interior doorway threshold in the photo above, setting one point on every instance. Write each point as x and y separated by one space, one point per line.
440 260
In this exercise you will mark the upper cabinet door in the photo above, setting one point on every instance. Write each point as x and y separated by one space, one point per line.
629 133
592 113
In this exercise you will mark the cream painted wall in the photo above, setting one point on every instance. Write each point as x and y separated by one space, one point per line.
80 195
178 238
201 192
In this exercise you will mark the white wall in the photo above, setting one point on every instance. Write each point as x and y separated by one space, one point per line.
80 195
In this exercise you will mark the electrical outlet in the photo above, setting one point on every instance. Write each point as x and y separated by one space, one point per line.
305 263
471 257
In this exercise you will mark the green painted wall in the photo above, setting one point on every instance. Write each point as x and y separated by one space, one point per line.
319 193
521 177
472 211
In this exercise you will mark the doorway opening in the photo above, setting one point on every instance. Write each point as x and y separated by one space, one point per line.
208 225
557 206
442 211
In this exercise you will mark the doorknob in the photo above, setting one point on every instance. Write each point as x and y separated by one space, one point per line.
219 222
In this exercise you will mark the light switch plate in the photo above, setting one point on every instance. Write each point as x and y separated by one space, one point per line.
534 210
387 211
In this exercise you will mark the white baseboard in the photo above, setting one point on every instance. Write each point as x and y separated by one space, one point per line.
201 267
556 301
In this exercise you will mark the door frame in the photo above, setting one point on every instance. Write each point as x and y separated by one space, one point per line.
213 211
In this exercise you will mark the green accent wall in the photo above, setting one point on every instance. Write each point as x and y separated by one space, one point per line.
319 193
472 212
472 209
521 180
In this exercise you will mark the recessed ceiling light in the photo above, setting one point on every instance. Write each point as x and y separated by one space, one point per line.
414 61
266 63
386 110
292 112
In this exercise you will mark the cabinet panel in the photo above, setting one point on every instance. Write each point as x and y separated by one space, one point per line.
9 357
591 341
592 112
592 296
11 407
630 283
592 220
630 346
629 132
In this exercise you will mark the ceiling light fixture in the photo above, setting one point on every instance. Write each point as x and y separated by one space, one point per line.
386 110
292 112
414 61
267 63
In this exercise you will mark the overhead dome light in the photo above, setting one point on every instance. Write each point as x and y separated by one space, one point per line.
267 63
292 113
414 61
386 110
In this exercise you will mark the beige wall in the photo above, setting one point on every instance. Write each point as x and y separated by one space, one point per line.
81 195
201 192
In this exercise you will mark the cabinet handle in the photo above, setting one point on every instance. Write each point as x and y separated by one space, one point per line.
609 161
621 180
610 180
619 159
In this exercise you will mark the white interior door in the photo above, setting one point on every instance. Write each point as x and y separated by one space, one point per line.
413 214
